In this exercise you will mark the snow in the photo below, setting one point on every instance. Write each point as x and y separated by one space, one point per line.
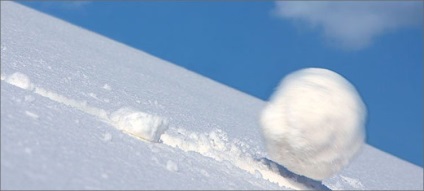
139 124
107 87
314 123
20 80
171 166
68 84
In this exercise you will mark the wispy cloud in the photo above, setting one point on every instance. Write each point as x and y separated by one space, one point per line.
352 25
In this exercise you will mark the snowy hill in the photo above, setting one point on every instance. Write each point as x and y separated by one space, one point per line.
71 100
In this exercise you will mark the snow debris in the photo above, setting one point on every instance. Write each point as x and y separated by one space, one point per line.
20 80
171 166
142 125
314 123
107 87
217 145
3 76
31 114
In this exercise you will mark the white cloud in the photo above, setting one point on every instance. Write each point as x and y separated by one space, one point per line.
352 25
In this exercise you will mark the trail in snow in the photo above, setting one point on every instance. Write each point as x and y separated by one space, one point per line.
147 127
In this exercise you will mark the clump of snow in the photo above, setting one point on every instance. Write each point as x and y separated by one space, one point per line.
171 166
20 80
314 123
143 125
107 87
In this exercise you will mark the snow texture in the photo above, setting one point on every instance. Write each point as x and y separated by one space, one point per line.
78 110
314 124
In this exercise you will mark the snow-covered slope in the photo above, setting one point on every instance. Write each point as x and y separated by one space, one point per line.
69 100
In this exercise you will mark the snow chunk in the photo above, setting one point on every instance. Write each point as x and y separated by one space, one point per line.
171 166
314 123
20 80
146 126
107 87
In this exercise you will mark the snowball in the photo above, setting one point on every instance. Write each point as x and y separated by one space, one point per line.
20 80
314 123
146 126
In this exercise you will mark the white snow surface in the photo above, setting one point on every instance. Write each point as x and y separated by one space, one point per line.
80 111
314 123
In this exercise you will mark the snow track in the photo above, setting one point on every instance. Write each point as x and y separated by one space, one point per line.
147 127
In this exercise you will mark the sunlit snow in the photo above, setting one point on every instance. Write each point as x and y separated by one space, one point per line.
80 111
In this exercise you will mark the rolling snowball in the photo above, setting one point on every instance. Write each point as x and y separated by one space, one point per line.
314 123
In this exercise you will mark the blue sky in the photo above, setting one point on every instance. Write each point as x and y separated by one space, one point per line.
251 46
